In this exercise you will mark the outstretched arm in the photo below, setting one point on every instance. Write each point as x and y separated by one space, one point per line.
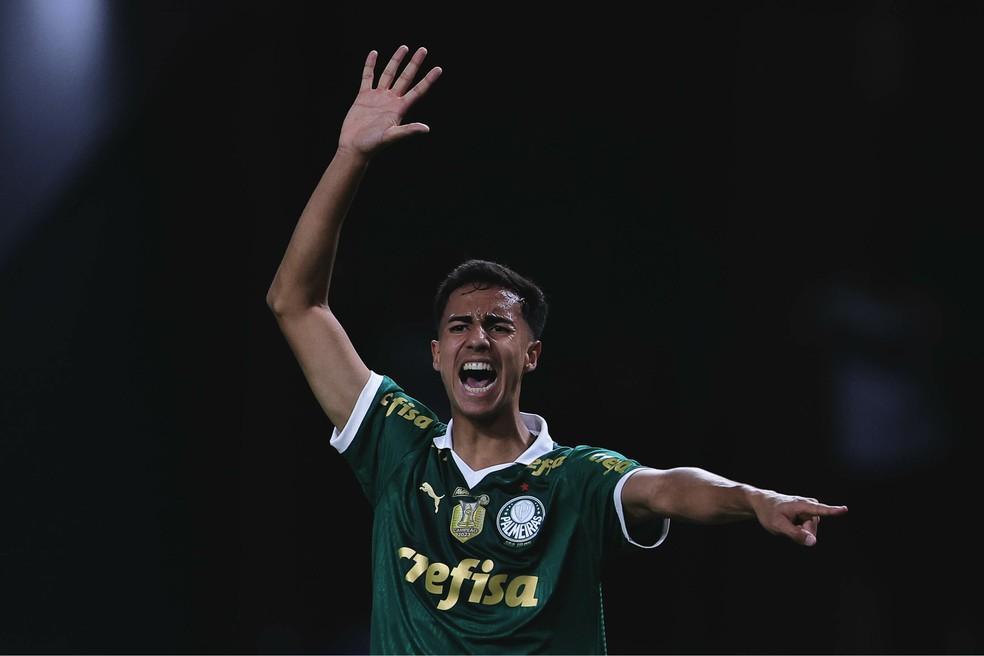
697 495
298 295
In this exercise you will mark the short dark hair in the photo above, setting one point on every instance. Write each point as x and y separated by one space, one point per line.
484 274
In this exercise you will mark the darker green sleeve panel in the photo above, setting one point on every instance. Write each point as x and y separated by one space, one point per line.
386 425
597 473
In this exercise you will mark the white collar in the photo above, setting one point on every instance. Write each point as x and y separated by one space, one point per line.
542 445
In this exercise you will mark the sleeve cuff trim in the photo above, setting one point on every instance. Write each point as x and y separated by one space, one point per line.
342 440
621 514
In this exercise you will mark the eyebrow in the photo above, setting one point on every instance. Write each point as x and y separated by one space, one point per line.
489 318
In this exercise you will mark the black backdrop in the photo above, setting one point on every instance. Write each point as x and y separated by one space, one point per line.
757 228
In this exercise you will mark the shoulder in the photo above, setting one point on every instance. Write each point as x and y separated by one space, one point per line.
395 401
607 460
384 406
582 458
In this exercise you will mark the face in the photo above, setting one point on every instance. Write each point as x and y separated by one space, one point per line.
484 348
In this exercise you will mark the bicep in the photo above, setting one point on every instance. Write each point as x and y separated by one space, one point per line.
642 495
331 365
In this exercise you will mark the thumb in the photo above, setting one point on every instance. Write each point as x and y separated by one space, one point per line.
402 131
795 533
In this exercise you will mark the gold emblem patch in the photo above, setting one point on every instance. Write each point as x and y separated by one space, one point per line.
468 518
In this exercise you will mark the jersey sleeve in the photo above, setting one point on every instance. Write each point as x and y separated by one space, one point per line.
601 475
385 426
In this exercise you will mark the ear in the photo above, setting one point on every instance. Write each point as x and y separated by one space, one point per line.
532 356
436 354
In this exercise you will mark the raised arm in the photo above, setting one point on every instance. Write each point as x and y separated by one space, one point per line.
298 295
697 495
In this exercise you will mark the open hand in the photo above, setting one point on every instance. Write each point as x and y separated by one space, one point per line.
795 517
373 121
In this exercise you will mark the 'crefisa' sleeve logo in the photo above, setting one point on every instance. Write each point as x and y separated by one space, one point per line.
406 409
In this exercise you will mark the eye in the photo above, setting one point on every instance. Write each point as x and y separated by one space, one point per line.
500 328
457 328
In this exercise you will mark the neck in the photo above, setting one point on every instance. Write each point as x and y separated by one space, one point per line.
483 444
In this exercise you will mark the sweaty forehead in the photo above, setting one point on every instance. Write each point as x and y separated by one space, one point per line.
479 302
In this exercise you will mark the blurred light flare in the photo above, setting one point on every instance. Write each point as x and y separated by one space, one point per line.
58 90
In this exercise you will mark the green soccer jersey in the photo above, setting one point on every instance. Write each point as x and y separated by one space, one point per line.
506 559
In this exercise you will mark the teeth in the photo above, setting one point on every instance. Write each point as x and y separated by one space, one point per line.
477 366
479 390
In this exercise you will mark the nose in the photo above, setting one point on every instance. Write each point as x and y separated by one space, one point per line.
478 339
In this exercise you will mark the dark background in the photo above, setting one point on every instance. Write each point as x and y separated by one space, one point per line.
758 228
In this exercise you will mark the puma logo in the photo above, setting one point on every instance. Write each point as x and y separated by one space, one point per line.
429 491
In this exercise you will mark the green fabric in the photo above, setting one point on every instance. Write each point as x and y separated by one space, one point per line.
450 581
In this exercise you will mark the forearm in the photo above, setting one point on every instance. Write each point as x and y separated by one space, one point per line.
698 495
304 275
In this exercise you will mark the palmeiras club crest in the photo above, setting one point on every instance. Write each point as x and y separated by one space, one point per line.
468 518
519 520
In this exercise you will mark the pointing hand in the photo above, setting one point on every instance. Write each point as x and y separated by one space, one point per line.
795 517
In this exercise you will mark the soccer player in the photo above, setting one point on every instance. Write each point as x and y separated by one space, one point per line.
488 535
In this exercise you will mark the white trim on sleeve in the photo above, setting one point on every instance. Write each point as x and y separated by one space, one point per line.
621 513
342 440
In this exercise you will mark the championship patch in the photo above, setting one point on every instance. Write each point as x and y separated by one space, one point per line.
519 520
468 518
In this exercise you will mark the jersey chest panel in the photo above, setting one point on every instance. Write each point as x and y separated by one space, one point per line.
499 545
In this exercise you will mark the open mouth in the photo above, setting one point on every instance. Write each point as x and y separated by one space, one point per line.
477 377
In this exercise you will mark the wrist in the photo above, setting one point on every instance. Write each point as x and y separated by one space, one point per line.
754 498
353 155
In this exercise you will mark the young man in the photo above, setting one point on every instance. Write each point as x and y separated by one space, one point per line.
488 536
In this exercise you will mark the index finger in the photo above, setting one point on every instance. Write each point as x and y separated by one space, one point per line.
811 508
368 71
